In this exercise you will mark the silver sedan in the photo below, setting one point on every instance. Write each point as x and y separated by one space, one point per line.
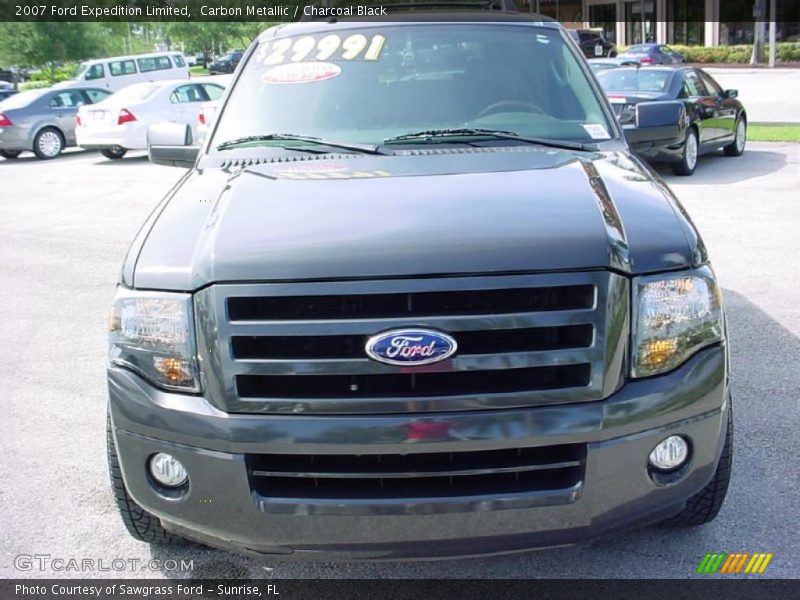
42 121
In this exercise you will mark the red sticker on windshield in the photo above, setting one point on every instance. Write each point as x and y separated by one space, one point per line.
302 72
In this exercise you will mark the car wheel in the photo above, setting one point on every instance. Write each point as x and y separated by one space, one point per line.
736 147
691 150
141 524
704 506
114 152
612 54
9 154
48 143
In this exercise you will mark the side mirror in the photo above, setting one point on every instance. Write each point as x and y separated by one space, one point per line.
657 124
731 93
171 144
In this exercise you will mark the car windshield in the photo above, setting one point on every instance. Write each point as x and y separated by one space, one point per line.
367 84
22 99
634 80
641 49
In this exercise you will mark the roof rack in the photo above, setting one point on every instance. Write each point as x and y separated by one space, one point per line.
506 6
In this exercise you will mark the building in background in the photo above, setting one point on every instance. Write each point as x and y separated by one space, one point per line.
689 22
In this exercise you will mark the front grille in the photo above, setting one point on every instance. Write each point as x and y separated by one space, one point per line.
428 304
413 384
523 340
426 475
300 347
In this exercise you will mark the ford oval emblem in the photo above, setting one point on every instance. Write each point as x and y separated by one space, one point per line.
410 347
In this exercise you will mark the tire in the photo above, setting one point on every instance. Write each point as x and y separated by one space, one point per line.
612 54
10 154
691 151
736 147
114 152
704 506
48 143
142 525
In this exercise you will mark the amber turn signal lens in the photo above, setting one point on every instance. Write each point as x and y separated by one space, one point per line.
176 370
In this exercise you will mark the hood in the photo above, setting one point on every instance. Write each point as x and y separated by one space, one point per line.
423 213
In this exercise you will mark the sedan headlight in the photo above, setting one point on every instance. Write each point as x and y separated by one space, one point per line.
152 333
674 316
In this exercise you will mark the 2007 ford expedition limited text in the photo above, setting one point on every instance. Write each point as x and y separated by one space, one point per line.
415 298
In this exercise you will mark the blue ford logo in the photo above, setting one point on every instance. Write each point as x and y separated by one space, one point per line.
410 347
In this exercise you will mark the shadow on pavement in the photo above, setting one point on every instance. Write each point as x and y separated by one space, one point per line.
70 154
716 168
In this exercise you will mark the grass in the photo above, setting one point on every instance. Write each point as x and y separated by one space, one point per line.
773 132
198 70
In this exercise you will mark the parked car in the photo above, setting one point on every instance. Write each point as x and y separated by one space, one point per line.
6 93
43 121
603 64
401 307
226 63
121 71
592 43
653 54
715 117
120 122
205 119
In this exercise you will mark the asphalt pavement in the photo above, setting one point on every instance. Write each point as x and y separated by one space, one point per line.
64 229
770 95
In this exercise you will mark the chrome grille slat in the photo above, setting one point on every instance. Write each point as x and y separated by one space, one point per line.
355 366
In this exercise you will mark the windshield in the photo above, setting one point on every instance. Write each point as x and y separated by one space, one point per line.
640 49
136 92
634 80
365 85
22 99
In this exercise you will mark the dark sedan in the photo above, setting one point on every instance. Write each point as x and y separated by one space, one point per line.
226 64
715 118
653 54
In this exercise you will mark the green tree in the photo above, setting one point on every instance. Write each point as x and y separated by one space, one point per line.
46 45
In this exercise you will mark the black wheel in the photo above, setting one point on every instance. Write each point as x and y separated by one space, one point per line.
48 143
142 525
691 150
704 506
114 152
9 154
736 147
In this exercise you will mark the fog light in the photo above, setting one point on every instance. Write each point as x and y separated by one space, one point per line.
669 453
167 470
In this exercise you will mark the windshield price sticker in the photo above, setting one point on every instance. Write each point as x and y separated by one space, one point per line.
319 48
596 131
304 72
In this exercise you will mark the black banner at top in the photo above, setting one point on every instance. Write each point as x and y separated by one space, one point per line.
295 10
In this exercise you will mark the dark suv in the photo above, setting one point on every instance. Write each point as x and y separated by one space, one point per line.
592 43
415 297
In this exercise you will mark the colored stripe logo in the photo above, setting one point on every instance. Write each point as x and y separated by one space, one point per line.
734 563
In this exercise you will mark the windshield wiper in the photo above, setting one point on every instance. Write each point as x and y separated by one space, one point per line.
434 135
291 137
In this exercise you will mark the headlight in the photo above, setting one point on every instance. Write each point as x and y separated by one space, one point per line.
152 333
674 316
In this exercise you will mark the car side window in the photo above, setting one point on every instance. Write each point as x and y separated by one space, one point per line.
95 72
122 67
186 93
96 95
67 99
179 62
712 86
693 86
156 63
214 92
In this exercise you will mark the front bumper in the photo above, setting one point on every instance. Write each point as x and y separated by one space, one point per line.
221 509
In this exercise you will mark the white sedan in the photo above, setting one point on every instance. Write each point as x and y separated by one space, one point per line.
119 123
